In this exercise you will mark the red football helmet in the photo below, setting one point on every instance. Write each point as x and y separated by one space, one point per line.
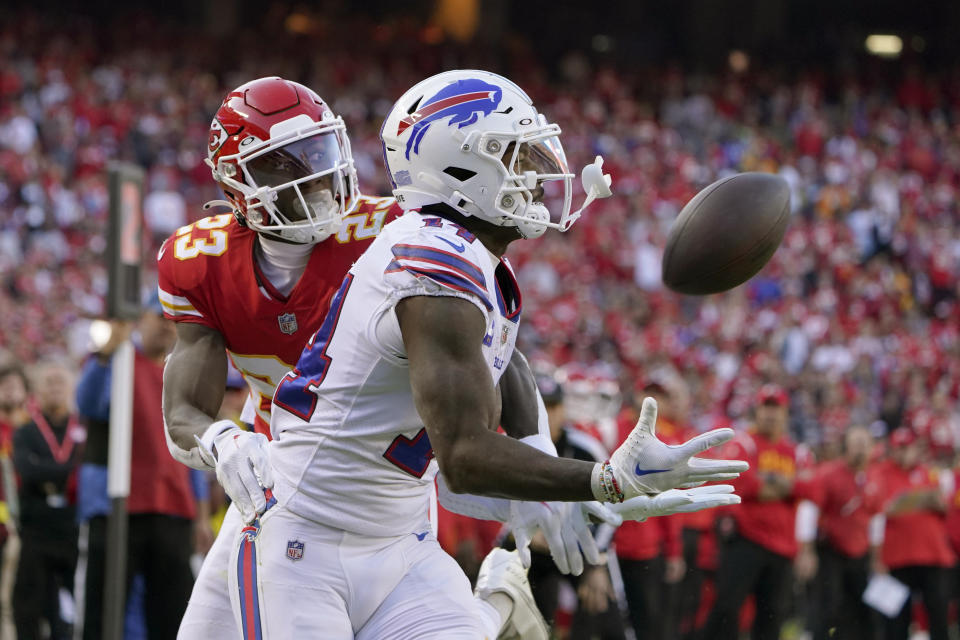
283 160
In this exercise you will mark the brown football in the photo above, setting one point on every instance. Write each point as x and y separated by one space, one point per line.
726 233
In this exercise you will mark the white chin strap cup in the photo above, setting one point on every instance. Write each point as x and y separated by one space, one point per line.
532 226
595 183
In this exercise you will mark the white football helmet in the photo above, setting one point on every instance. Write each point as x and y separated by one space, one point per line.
473 140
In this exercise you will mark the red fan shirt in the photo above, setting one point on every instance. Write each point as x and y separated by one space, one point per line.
158 483
917 537
772 523
847 499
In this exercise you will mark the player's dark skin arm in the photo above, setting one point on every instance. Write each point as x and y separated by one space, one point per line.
455 397
194 381
518 398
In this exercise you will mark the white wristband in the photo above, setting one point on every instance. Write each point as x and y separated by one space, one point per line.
207 440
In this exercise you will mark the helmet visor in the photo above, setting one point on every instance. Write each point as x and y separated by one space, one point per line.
305 174
544 156
299 159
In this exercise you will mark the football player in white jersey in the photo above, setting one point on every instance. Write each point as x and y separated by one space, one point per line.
243 288
402 379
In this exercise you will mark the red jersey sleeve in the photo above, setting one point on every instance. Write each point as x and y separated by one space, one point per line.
747 486
182 265
806 484
670 530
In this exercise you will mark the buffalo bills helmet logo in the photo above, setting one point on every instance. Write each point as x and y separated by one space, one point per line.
462 101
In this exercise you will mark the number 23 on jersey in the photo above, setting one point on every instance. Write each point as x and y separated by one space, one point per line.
205 237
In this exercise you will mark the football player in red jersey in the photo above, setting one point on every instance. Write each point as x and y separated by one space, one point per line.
254 285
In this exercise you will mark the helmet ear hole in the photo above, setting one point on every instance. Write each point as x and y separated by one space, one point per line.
460 173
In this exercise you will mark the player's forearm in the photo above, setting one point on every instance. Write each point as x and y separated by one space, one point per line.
194 380
186 412
184 420
492 464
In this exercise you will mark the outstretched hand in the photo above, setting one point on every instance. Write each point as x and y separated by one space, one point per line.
644 464
673 501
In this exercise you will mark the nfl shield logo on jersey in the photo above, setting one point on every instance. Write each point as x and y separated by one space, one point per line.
294 549
288 323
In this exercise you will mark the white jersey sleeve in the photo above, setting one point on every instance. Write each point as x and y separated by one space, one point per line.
434 259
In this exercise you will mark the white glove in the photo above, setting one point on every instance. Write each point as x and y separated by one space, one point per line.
676 501
565 525
644 464
243 465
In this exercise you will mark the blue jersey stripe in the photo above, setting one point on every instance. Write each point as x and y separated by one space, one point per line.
444 278
441 257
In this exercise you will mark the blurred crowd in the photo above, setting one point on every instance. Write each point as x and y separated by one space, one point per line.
855 318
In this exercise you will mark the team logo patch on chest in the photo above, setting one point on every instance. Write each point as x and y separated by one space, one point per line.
288 323
294 549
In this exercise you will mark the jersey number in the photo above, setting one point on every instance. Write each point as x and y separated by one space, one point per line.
297 392
412 456
363 226
187 246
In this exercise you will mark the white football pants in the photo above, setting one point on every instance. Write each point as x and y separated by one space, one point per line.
209 615
295 578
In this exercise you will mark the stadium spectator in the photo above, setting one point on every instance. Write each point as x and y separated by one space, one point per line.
756 558
916 547
597 613
46 451
846 499
167 504
650 553
13 413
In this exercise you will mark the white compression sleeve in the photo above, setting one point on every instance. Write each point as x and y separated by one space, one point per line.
543 429
808 514
877 529
465 504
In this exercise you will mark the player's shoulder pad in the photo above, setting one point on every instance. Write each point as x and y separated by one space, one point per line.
441 251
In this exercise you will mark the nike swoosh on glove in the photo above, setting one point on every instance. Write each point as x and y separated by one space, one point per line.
644 464
243 468
676 501
566 527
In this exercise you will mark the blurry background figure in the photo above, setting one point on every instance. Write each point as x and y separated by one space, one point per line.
759 542
168 509
591 401
164 207
834 531
597 613
650 554
916 547
46 451
13 413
